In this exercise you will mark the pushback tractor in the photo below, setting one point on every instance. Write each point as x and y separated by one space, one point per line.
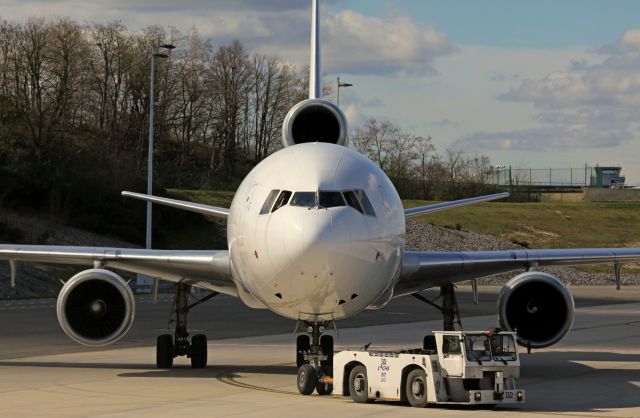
453 367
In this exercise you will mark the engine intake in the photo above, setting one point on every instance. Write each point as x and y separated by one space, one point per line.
538 307
314 120
96 307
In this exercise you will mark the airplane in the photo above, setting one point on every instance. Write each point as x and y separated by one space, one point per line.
315 234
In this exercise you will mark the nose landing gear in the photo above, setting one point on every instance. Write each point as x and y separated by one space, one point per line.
314 358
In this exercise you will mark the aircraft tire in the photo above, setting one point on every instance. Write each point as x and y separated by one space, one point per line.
199 351
164 351
324 388
307 379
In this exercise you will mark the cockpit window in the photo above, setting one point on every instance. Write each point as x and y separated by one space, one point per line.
282 200
330 199
304 199
364 201
266 207
352 200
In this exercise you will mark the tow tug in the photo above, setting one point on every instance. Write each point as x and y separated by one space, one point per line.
453 367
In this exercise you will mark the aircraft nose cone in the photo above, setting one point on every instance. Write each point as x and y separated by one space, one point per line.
322 235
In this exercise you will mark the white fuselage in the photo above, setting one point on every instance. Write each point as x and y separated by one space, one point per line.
316 263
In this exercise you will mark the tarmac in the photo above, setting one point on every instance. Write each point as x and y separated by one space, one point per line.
594 371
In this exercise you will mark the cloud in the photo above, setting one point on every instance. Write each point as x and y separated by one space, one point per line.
357 100
613 82
447 123
353 43
359 44
585 105
355 116
549 138
500 77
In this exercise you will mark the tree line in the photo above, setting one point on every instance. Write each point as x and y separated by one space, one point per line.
417 169
74 119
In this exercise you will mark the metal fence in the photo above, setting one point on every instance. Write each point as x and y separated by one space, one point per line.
552 177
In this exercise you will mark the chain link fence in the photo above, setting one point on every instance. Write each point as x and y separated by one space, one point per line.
540 177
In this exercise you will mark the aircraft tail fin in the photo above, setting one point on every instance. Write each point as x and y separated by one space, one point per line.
315 75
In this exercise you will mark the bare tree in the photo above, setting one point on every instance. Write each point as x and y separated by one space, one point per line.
230 74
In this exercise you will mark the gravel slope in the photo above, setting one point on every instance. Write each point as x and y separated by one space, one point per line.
33 281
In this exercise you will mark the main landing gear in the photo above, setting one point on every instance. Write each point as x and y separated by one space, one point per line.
449 309
169 347
314 358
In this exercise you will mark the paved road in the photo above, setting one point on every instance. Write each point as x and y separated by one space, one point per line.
593 372
30 327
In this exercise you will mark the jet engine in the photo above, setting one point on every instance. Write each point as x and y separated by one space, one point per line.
315 120
538 307
95 307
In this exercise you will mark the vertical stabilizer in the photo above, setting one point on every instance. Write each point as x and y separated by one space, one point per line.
315 76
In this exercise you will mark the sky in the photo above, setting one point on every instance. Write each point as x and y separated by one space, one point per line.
530 84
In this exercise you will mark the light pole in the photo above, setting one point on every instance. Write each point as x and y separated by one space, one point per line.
160 51
342 85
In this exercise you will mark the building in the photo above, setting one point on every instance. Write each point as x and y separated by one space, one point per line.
607 177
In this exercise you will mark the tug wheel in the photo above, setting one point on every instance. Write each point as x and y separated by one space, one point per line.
416 388
359 385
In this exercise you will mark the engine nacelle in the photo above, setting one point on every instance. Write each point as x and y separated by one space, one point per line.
538 307
96 307
315 120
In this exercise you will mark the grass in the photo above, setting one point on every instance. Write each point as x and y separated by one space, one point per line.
549 224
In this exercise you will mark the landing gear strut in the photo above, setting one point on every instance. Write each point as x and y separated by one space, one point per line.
449 309
169 347
314 357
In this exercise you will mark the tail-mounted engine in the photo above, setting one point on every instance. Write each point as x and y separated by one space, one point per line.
315 120
95 307
538 307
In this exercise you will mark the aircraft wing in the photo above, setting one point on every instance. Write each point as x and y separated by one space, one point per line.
423 269
181 204
437 207
207 269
